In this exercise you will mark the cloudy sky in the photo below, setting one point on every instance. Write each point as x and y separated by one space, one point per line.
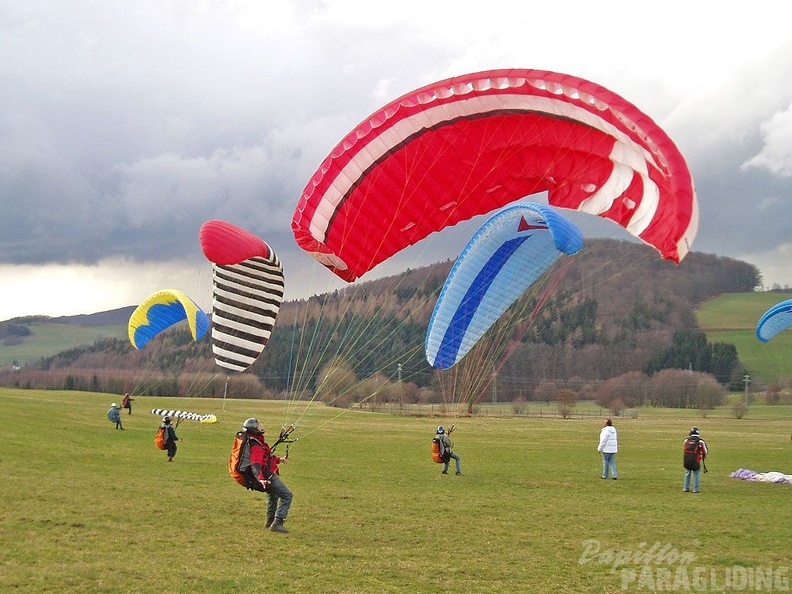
125 125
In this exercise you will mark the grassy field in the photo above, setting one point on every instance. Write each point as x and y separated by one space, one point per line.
50 339
732 318
90 509
737 311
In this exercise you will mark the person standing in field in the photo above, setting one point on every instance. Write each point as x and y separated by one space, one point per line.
127 403
694 452
608 446
263 474
169 437
446 452
114 415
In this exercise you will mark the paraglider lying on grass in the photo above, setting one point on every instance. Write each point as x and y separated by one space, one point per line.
248 290
465 146
762 477
183 414
160 311
508 253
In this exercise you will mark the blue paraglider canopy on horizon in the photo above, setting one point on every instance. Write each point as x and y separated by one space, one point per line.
774 320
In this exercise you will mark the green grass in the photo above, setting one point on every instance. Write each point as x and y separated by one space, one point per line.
732 318
50 339
737 310
90 509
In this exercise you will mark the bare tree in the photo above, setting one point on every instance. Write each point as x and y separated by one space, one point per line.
547 391
566 402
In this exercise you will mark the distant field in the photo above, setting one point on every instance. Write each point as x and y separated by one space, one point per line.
51 339
732 318
94 510
737 310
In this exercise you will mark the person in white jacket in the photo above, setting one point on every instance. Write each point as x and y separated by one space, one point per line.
608 446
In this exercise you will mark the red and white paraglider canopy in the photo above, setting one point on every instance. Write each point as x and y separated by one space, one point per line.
471 144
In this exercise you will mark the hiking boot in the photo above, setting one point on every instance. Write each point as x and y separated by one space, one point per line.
277 526
269 522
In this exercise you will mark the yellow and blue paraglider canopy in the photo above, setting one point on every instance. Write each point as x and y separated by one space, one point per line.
162 310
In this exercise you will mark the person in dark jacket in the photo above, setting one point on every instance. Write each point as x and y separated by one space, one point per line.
170 438
263 475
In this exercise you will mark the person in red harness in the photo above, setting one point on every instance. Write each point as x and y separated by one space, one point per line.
265 477
127 403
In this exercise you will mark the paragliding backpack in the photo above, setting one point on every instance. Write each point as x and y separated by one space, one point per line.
439 454
159 439
691 458
239 461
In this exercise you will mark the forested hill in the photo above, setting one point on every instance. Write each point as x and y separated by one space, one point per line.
616 306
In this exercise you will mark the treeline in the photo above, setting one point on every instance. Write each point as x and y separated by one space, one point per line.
690 348
12 333
619 309
671 388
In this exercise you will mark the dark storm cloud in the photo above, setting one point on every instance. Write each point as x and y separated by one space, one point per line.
126 131
125 127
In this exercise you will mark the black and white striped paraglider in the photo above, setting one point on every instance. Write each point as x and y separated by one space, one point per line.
183 414
248 291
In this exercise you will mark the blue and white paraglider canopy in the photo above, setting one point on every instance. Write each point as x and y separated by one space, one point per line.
774 320
510 251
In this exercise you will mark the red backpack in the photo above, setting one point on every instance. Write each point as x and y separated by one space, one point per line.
691 456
